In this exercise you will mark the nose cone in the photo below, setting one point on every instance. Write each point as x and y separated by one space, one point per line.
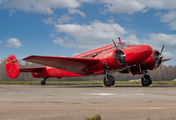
138 54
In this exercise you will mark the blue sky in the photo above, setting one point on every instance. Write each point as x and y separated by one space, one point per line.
68 27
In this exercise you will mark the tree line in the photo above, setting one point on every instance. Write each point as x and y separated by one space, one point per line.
163 73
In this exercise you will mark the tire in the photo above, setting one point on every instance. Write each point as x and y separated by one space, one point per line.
43 82
147 81
110 82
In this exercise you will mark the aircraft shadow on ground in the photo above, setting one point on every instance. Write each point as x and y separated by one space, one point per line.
116 86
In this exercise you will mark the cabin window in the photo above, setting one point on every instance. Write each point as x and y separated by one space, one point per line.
95 54
86 56
103 51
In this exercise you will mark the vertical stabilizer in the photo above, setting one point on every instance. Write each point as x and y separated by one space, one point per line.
119 39
12 68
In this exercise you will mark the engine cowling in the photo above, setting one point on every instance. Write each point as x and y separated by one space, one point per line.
150 62
108 60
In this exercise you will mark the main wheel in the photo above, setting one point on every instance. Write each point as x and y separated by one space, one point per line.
110 81
147 81
43 82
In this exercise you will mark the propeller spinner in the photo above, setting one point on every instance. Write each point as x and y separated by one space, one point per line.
122 58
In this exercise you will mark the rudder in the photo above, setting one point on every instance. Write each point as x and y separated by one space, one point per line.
12 67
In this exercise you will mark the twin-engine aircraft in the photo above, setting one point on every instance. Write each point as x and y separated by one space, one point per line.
117 57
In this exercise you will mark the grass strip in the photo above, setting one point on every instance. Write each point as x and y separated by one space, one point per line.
84 82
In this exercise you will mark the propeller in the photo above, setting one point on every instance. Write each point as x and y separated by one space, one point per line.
159 57
122 58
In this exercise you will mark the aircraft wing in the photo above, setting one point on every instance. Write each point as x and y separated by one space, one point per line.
164 60
70 64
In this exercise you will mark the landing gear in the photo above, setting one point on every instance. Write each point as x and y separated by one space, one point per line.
108 79
43 81
146 80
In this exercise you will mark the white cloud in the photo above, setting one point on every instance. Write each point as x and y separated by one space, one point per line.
76 11
0 42
127 19
158 14
48 21
158 4
13 43
39 6
59 41
132 39
89 36
64 42
168 54
160 39
64 19
122 6
110 20
170 18
132 6
157 41
88 1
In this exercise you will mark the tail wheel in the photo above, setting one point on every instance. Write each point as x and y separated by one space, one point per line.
146 80
110 81
43 82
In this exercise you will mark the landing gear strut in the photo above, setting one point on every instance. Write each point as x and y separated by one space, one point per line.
43 81
146 80
108 79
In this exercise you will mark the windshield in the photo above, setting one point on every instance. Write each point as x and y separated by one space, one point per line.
124 44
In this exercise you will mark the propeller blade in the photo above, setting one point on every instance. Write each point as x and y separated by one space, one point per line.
115 44
122 57
127 67
156 64
159 58
162 48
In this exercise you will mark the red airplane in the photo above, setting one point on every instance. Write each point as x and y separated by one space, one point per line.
117 57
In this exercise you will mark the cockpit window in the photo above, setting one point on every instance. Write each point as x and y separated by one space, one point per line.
126 44
86 56
123 45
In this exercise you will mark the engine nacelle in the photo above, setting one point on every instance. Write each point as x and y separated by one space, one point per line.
150 62
108 60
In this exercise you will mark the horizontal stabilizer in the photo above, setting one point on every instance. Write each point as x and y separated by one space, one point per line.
35 69
164 60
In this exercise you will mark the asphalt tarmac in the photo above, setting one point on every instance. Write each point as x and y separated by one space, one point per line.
75 102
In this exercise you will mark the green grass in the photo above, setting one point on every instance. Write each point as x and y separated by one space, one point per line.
95 117
84 82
